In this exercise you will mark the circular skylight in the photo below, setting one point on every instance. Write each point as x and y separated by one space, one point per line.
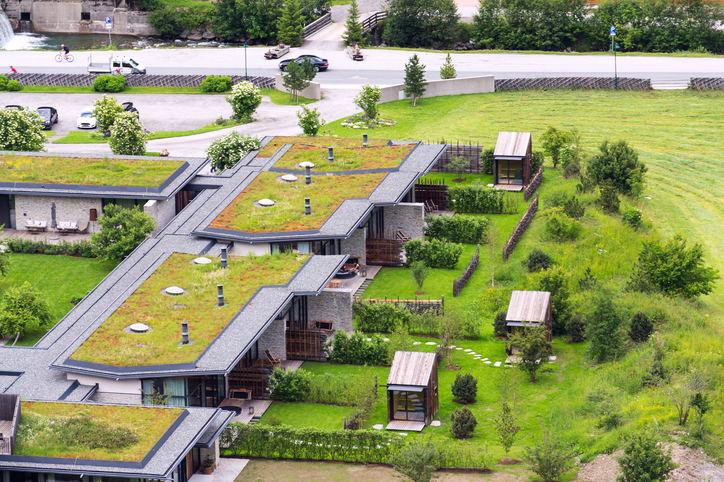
202 260
289 178
174 291
138 328
306 164
265 203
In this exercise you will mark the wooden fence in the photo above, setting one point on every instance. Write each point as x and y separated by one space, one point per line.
414 306
459 283
702 83
581 83
384 249
520 229
371 22
434 190
534 184
470 151
306 344
86 80
317 25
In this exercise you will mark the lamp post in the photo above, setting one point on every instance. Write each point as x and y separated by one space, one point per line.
246 73
614 47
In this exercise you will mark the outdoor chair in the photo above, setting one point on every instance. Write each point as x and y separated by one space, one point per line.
36 226
82 226
272 359
67 227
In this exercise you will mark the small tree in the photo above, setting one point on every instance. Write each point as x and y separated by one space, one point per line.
227 151
420 272
297 77
557 282
465 388
576 328
417 461
553 141
532 348
641 327
106 111
156 397
353 28
463 423
447 71
550 457
682 392
500 324
644 459
122 230
128 137
618 165
459 165
701 405
310 121
415 84
21 130
603 330
245 98
367 100
491 239
23 309
290 26
506 429
610 203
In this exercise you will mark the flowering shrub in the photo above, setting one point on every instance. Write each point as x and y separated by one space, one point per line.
127 135
227 151
310 121
245 98
367 100
366 122
20 130
106 111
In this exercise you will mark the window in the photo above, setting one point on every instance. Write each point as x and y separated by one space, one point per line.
125 203
177 388
408 405
510 172
85 16
301 247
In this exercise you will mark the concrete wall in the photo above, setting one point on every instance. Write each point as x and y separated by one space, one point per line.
436 88
56 16
314 91
110 390
333 305
212 452
406 217
356 245
243 249
274 340
161 211
67 209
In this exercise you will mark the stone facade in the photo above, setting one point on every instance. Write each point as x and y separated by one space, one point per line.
406 217
161 211
355 245
333 305
274 340
67 209
212 452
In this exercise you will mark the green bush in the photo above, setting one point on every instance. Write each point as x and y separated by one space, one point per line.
228 150
536 161
452 456
572 170
357 350
14 86
434 253
379 317
216 83
550 458
290 385
245 98
106 111
574 208
109 83
644 459
618 165
486 161
603 330
641 327
417 461
556 199
31 246
167 21
463 423
609 200
3 82
499 324
21 130
561 227
458 229
476 198
128 137
633 217
310 120
538 260
465 388
576 328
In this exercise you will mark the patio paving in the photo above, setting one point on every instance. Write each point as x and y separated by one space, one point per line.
47 236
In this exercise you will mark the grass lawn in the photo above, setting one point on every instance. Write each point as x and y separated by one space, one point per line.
59 278
282 98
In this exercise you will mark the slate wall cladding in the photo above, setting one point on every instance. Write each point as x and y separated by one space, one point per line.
333 305
274 340
355 245
406 217
67 209
161 211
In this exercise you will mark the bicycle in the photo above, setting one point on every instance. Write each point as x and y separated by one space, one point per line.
59 58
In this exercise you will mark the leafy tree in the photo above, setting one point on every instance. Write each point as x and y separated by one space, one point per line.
419 271
367 100
128 137
553 141
536 161
353 27
603 330
227 151
260 18
644 459
245 99
310 121
227 20
421 23
641 327
465 388
106 111
533 348
673 269
459 165
167 21
21 130
23 309
313 9
290 26
506 429
122 230
576 328
297 77
290 385
417 461
415 84
463 423
550 457
447 71
618 165
556 280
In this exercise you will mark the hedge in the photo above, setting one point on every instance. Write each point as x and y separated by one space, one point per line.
28 246
475 198
358 349
434 253
458 229
379 317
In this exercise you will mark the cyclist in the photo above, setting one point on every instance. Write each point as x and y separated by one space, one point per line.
64 50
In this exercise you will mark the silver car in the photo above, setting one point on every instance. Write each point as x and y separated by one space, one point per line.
87 118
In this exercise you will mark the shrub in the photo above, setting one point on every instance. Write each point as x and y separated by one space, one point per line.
122 230
14 86
633 217
476 198
576 328
310 121
572 170
367 100
505 427
23 308
128 136
21 130
463 423
557 281
290 385
499 324
106 111
641 327
550 457
357 350
109 83
459 165
167 21
553 141
604 330
460 228
465 388
574 208
216 83
30 246
561 227
644 459
538 260
609 200
245 98
434 253
618 165
3 82
379 317
416 461
533 347
227 151
486 160
420 273
536 161
555 199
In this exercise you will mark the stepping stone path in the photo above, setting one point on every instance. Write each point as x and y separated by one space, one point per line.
467 349
551 359
458 348
431 343
484 359
435 423
378 426
417 343
497 364
487 362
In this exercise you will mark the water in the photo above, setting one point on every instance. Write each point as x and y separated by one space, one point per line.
6 30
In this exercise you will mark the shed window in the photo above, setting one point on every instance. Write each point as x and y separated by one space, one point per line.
408 405
510 172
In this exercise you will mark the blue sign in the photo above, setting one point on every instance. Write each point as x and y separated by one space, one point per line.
613 30
109 23
108 20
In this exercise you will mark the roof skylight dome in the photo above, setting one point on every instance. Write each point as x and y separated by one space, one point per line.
174 291
265 203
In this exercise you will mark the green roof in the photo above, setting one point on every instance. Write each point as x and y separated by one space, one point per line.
277 142
345 159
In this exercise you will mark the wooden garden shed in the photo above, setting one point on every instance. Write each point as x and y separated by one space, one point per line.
529 308
412 391
512 160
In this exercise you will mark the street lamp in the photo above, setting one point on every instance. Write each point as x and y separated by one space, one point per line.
614 47
246 73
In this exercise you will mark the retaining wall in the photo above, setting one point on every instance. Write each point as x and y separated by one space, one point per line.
86 80
436 88
703 83
520 229
314 91
584 83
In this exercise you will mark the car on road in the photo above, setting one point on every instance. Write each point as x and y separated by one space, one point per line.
49 116
128 107
318 62
87 118
14 106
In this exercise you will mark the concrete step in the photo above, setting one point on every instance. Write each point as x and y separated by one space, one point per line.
670 84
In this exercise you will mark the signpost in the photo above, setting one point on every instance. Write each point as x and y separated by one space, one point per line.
246 72
109 26
614 46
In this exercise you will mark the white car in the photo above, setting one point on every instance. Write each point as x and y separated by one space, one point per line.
87 118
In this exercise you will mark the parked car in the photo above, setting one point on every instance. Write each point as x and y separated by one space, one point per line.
128 107
318 62
87 118
49 116
14 106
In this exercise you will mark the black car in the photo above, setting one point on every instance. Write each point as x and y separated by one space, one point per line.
318 62
49 116
128 107
14 106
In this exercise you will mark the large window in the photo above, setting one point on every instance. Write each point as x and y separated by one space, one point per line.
408 405
301 247
186 392
125 203
510 172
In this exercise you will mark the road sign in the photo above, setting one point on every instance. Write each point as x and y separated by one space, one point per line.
613 30
109 23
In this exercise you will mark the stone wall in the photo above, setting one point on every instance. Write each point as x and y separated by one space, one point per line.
406 217
274 340
355 245
211 453
67 209
161 211
333 305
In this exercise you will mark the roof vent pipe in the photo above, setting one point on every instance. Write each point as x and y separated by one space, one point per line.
307 175
223 257
364 140
307 206
184 332
331 154
221 294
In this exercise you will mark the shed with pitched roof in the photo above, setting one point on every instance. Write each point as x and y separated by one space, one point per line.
529 308
412 398
512 160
